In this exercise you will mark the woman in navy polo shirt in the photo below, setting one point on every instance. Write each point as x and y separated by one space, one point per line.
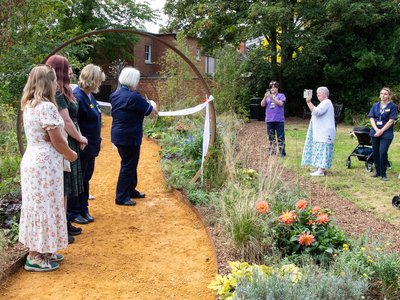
382 116
128 111
89 121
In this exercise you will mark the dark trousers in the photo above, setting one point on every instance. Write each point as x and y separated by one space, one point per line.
78 205
276 130
127 179
380 149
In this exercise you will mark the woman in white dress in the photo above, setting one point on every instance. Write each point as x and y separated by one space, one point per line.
43 225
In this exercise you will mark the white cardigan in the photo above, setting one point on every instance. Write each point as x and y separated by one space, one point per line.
323 122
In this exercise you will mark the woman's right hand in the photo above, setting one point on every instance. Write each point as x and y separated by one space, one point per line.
83 140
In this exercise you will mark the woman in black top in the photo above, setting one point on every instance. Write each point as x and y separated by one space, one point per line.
68 109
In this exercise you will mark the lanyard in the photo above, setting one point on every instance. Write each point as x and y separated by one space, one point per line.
381 110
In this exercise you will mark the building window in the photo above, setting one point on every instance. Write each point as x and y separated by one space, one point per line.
147 54
198 54
210 65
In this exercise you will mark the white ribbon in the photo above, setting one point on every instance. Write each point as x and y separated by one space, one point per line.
206 131
185 112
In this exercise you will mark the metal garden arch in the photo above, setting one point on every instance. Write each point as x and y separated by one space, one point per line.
140 33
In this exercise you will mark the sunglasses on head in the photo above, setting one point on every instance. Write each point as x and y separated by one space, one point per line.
273 84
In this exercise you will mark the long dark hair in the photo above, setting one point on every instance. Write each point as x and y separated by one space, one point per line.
60 65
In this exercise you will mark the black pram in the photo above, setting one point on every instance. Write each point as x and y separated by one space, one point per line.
363 151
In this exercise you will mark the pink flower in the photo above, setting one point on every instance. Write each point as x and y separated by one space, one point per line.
315 210
262 207
287 217
301 204
322 219
306 239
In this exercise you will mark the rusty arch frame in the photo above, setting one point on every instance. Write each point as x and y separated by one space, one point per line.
143 34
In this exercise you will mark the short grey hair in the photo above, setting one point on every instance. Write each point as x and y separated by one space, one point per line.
129 76
323 89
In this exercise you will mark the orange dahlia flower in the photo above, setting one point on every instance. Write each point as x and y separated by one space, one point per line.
301 204
322 219
315 210
306 239
262 207
287 217
309 222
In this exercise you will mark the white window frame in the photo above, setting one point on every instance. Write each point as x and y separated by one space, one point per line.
147 54
198 54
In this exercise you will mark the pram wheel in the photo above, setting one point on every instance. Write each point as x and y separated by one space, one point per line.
348 163
396 202
368 166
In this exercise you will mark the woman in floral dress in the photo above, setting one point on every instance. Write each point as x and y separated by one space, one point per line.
43 223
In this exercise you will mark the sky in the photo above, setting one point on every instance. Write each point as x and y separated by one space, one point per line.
155 4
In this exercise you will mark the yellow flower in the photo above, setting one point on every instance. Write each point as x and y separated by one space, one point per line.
345 247
362 249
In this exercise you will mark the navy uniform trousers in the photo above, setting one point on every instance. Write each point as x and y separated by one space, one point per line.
127 179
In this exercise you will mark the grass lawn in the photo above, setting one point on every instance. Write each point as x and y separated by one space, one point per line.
354 184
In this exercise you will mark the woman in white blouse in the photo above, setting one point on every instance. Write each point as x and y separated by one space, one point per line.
318 148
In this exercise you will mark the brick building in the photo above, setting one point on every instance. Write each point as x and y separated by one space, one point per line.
147 53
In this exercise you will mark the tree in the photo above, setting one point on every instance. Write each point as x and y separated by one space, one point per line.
309 43
178 85
31 29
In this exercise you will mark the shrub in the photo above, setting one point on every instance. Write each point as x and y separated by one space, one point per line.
308 230
370 260
286 282
242 221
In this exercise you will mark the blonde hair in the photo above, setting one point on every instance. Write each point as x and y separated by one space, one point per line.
389 92
91 77
39 86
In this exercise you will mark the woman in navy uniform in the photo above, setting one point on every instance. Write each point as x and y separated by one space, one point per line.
89 121
128 111
382 116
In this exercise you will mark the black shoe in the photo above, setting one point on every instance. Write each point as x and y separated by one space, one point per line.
80 220
127 203
71 239
72 230
88 217
137 195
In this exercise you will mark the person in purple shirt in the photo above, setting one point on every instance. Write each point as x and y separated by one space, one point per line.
128 111
274 103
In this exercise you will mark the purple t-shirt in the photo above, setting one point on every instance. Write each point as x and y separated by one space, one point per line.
274 112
